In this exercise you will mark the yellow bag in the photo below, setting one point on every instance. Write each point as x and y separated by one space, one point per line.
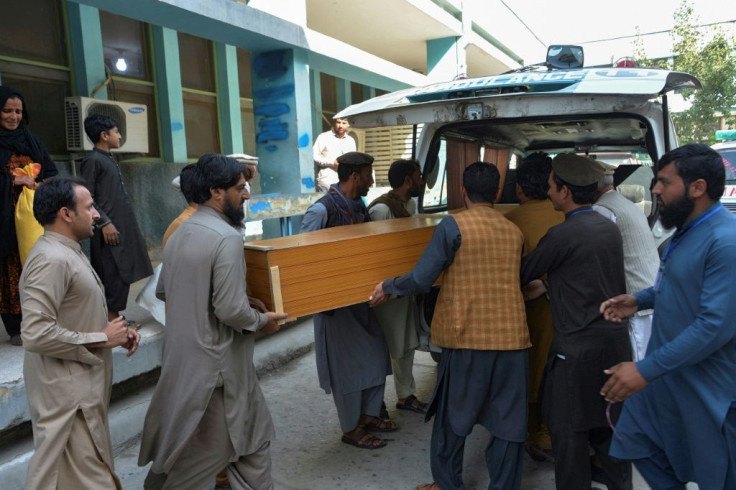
27 229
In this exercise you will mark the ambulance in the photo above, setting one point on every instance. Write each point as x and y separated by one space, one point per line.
555 106
727 149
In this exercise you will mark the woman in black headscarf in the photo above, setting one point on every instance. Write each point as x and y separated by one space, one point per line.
18 148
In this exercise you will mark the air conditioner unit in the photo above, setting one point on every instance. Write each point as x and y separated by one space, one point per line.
132 122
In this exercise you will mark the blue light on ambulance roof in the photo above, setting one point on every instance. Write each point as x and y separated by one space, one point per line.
595 80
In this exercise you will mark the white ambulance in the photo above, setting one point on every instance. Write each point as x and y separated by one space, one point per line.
556 106
727 149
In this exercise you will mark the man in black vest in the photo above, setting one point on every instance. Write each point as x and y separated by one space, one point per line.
352 359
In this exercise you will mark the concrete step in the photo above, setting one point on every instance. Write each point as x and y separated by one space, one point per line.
128 413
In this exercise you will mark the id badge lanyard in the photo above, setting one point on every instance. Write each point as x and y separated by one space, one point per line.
673 244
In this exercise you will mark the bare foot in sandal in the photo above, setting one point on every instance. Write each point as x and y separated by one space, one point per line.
376 424
358 437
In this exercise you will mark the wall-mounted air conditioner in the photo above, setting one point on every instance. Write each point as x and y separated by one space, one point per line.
132 122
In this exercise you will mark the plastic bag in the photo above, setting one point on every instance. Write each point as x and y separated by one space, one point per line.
27 229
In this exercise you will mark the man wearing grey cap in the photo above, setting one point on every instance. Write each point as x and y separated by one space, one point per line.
583 258
352 358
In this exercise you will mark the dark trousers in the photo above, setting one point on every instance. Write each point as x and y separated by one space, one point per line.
572 461
12 323
504 459
116 289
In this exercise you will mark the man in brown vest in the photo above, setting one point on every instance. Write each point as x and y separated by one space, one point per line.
480 324
399 319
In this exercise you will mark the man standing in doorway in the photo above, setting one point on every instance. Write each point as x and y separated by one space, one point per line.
68 341
207 411
480 324
678 423
117 250
352 359
327 147
399 318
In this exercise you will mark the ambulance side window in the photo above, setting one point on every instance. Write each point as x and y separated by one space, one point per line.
435 189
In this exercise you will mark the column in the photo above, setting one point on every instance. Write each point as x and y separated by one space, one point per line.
282 110
168 88
86 44
228 98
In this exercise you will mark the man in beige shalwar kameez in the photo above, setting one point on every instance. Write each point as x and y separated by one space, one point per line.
208 411
68 342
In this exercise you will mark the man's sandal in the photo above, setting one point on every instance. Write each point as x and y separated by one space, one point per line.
363 440
413 404
376 424
429 486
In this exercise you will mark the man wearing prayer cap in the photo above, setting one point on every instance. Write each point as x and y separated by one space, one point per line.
583 260
351 353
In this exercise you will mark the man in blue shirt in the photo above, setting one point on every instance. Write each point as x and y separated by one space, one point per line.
679 423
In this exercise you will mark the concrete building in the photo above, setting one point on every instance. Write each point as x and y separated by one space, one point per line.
263 77
259 76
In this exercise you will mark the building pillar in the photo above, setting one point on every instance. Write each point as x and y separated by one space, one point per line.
445 59
281 106
85 36
228 99
168 91
368 92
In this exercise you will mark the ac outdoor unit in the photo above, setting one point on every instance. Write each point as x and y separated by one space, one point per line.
132 122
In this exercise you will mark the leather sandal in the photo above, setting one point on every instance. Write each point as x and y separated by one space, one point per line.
413 404
376 424
363 440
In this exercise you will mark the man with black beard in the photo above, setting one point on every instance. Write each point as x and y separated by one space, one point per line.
207 412
679 420
352 359
399 318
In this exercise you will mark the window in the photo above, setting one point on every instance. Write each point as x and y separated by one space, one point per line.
125 45
35 62
356 93
328 86
197 62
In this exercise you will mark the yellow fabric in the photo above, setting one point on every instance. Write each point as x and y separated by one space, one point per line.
534 218
27 229
480 305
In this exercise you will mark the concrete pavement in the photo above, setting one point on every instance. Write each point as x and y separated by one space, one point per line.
308 453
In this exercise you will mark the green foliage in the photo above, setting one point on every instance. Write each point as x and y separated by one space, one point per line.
710 56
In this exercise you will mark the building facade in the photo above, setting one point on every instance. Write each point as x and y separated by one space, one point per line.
261 76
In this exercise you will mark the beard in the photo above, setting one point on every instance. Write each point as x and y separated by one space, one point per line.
234 214
676 213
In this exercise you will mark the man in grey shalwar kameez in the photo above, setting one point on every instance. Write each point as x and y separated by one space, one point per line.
352 358
400 317
208 411
68 341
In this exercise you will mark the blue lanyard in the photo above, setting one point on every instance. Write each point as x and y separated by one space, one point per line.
580 210
673 244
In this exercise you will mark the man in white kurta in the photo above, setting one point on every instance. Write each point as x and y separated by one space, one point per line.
207 411
68 341
327 147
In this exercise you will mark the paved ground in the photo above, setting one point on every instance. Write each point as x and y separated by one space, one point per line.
308 453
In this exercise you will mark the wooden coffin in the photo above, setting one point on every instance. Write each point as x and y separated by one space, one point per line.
325 269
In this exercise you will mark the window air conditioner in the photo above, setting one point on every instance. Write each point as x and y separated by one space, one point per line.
132 122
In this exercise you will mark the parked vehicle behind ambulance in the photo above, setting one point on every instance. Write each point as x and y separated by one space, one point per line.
727 149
